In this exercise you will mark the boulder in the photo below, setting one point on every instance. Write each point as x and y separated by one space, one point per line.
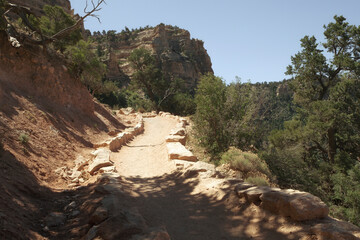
176 138
101 160
335 230
252 194
121 225
242 186
100 215
177 151
300 206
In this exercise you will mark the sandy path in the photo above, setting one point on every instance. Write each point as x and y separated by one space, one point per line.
146 155
184 206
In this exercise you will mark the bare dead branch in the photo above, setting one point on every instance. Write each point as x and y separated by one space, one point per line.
24 12
66 31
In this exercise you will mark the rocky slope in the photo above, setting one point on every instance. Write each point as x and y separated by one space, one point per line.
177 54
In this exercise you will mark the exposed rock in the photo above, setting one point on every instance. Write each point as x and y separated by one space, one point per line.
55 219
253 194
176 138
80 163
70 206
178 131
153 234
108 169
300 206
178 151
206 170
126 111
335 230
178 56
101 160
99 216
242 186
181 164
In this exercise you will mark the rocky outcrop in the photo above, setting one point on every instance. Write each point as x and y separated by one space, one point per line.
178 55
299 206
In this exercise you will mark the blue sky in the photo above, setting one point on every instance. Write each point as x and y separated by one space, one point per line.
252 39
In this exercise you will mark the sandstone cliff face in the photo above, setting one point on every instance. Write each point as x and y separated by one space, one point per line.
177 54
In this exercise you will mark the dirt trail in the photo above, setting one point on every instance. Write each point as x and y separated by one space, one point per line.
185 206
146 155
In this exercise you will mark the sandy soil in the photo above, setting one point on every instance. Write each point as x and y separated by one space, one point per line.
188 207
146 155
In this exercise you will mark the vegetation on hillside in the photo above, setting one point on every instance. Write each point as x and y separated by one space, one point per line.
309 137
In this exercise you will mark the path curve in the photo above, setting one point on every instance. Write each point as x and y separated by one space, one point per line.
188 208
146 155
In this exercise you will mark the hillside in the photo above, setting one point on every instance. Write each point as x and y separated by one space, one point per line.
71 168
178 56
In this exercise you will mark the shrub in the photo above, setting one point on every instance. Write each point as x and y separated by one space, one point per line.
259 181
24 138
245 162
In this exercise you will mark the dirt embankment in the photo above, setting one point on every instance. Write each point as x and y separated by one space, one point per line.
46 119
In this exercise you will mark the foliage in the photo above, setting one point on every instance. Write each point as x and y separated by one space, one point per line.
259 181
209 116
137 100
85 65
149 78
317 151
55 20
2 11
24 138
249 164
254 110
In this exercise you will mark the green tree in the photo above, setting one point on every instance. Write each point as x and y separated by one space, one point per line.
315 77
319 148
209 116
85 65
149 78
55 20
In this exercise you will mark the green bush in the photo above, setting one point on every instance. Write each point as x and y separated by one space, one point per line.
259 181
209 122
24 138
245 162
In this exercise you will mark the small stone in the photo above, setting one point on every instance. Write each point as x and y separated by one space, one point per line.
99 215
70 206
55 219
75 213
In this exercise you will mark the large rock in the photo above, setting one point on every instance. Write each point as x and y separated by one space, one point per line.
177 151
253 194
101 160
335 230
176 138
300 206
177 55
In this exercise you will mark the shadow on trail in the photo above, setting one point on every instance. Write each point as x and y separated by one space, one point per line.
168 201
